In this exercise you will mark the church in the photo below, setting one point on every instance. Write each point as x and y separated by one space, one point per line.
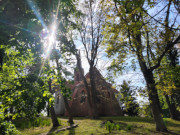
107 102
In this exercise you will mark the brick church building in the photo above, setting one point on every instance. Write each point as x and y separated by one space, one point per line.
107 103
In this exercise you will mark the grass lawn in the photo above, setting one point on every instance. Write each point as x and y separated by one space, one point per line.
128 126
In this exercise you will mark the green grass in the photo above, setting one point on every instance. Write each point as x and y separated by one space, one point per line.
127 125
38 122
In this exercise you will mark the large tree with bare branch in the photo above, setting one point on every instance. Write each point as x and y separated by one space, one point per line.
132 30
90 32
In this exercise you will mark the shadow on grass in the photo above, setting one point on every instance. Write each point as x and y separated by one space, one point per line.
129 119
71 131
171 122
52 130
171 133
74 118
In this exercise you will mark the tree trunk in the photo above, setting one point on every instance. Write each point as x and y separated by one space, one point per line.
68 110
173 56
53 117
152 91
172 109
64 97
154 101
91 105
93 94
48 113
1 58
53 114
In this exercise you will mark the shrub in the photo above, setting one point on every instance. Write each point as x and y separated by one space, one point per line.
118 127
7 128
108 126
38 122
48 123
129 127
111 126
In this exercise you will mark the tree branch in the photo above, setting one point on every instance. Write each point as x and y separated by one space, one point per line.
168 47
159 21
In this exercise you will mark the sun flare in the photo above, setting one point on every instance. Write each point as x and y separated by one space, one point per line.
48 38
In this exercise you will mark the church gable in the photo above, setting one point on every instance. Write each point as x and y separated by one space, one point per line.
107 104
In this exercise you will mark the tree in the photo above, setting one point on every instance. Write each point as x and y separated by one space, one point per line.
20 35
62 51
90 28
20 92
132 31
169 80
60 45
60 25
128 99
53 115
64 89
12 91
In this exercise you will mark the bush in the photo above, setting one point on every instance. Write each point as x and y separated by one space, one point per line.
129 127
111 126
38 122
7 128
108 126
118 127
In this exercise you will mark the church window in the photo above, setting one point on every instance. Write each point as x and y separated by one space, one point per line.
83 97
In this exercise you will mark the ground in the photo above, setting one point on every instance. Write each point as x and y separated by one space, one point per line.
128 125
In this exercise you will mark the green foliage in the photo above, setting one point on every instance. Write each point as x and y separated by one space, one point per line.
22 88
18 90
131 31
112 126
168 83
118 127
165 121
6 127
128 99
23 123
108 126
129 127
145 110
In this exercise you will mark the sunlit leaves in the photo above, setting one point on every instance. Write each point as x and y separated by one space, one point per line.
13 71
168 79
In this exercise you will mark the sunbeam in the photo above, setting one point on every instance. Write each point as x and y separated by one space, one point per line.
48 34
21 28
36 12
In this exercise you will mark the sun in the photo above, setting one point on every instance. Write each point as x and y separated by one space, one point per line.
52 35
51 39
48 39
